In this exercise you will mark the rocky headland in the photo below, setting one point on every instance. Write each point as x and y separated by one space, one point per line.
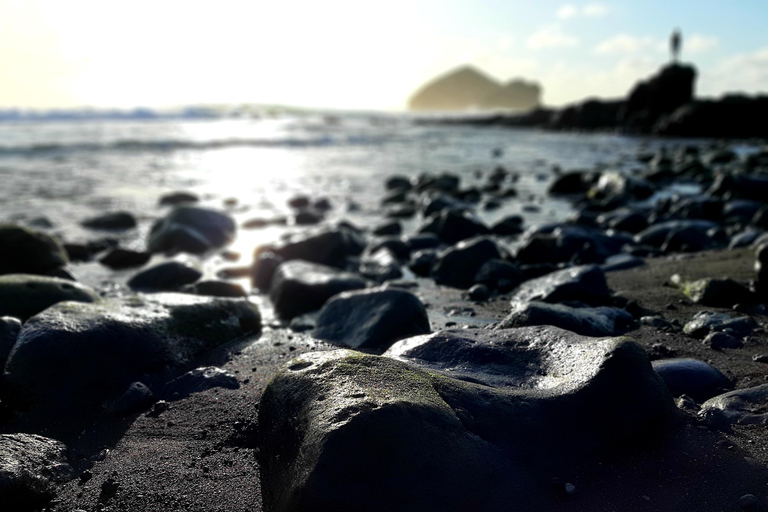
613 361
664 105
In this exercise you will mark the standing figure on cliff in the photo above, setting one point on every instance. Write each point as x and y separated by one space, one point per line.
675 41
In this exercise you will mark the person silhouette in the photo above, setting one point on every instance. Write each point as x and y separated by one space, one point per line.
675 42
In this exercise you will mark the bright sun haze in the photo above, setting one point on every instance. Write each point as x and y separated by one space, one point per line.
357 55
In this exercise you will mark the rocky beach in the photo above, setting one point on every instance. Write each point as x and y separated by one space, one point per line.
467 327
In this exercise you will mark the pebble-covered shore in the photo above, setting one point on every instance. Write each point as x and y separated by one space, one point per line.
614 361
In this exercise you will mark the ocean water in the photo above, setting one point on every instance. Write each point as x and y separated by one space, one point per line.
65 171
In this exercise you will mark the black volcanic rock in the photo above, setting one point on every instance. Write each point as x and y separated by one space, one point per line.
73 356
660 95
454 421
299 287
31 467
734 115
28 251
372 319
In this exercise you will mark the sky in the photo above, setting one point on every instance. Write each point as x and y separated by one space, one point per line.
348 54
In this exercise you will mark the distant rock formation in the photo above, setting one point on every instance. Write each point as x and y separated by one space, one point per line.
648 102
468 88
658 96
664 104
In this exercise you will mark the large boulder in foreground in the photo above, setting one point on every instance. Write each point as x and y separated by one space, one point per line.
27 251
191 229
31 467
73 356
372 319
474 420
299 287
25 295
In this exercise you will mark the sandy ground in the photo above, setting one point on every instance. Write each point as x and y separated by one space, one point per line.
199 454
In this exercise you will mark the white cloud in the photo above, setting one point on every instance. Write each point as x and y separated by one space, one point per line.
744 72
628 44
698 43
593 10
567 11
551 36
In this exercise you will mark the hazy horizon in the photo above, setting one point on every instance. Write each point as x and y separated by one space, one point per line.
343 55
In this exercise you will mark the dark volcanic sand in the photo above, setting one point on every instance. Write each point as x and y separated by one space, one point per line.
199 456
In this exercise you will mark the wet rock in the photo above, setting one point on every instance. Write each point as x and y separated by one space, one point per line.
31 467
538 248
743 406
395 244
380 266
422 261
191 229
299 287
444 182
621 262
216 289
583 283
307 217
601 321
74 356
691 377
397 183
326 246
260 222
723 293
9 331
198 380
25 295
372 319
457 266
119 258
745 238
481 428
405 211
168 276
741 210
508 226
721 340
657 234
434 204
27 251
499 275
761 269
631 222
178 198
571 183
388 228
138 397
705 322
78 252
298 202
688 239
116 221
657 322
422 241
263 269
454 226
477 293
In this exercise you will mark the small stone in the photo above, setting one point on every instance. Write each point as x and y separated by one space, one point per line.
760 358
748 501
478 293
721 340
